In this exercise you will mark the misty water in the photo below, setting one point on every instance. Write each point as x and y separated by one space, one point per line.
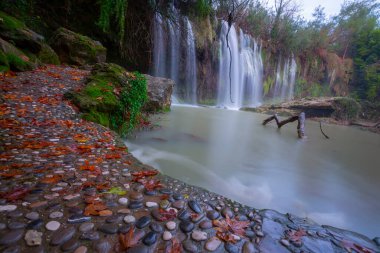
334 182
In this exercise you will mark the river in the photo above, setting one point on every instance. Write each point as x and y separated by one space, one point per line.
334 182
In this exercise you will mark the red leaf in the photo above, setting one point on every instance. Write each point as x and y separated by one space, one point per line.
128 240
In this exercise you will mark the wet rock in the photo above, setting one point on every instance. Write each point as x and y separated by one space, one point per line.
164 204
143 222
70 245
136 196
183 215
38 204
213 215
171 225
249 248
15 214
285 242
150 238
123 201
194 205
2 226
124 229
156 227
108 228
37 249
32 216
75 210
16 225
205 224
212 244
36 224
166 236
81 249
105 213
90 236
7 208
13 249
177 196
150 204
103 246
129 219
197 217
227 211
179 204
197 235
11 237
78 218
52 225
55 215
114 219
377 240
87 226
274 229
190 246
268 245
166 191
186 226
61 236
231 248
135 205
316 245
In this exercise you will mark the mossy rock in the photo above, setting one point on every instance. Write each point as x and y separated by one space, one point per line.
48 56
14 59
4 64
76 49
10 23
109 72
346 108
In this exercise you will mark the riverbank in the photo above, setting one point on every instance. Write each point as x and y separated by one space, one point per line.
71 185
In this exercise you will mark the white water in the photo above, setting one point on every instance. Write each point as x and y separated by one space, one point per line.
174 55
241 83
285 79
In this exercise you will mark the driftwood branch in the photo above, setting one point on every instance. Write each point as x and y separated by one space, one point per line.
300 126
320 127
366 125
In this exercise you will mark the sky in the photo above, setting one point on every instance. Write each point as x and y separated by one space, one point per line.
332 7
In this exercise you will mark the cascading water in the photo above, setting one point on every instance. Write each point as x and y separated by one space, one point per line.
240 85
174 39
285 79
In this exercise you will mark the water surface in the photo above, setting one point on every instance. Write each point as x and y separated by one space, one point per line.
334 182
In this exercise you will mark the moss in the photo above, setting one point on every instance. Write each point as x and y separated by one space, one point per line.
10 23
346 108
48 56
102 91
4 65
97 117
18 64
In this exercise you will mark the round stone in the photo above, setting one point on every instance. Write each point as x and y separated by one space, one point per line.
129 219
61 236
52 225
123 201
143 222
70 245
78 218
205 224
33 238
81 249
108 228
213 215
213 244
171 225
199 235
164 204
16 225
15 214
32 216
7 208
150 238
186 226
179 204
87 226
167 236
156 227
137 196
151 204
11 237
55 215
90 236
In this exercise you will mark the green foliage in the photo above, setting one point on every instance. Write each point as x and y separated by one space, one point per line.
4 65
17 64
304 88
268 83
10 23
346 108
98 117
203 8
110 9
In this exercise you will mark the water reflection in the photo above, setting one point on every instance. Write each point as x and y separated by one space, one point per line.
330 181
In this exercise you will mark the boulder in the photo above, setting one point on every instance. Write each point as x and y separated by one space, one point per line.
76 49
12 58
159 94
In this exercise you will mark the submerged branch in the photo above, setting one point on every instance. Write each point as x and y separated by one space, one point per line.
300 125
320 127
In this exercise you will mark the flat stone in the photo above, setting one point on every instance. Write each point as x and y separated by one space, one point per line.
52 225
195 206
33 238
212 244
179 204
177 196
198 235
129 219
114 219
249 248
13 249
123 201
205 224
105 213
11 237
7 208
124 211
35 224
16 225
137 196
71 197
55 215
166 236
164 204
135 205
213 215
87 226
190 246
143 222
171 225
75 210
81 249
186 226
124 228
15 214
38 204
231 248
70 245
32 216
150 204
156 227
78 218
103 246
108 228
150 238
61 236
183 215
90 236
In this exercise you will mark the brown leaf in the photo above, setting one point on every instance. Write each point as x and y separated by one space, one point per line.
296 235
349 246
176 246
128 240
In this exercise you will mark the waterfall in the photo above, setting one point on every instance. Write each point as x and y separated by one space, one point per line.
285 79
174 55
242 84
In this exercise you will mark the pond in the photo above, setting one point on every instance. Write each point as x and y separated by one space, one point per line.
333 182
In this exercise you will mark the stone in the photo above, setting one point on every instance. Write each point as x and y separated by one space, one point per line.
183 215
16 225
186 226
249 248
105 213
212 244
190 246
177 196
75 210
87 226
13 249
78 218
150 204
143 222
70 245
33 238
15 214
52 225
81 249
156 227
159 95
76 49
198 235
124 228
166 236
135 205
171 225
35 224
108 228
71 197
164 204
123 201
179 204
38 204
129 219
61 236
194 205
377 240
205 224
11 237
90 236
7 208
213 215
2 226
114 219
136 196
55 215
231 248
227 211
32 216
103 246
150 238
